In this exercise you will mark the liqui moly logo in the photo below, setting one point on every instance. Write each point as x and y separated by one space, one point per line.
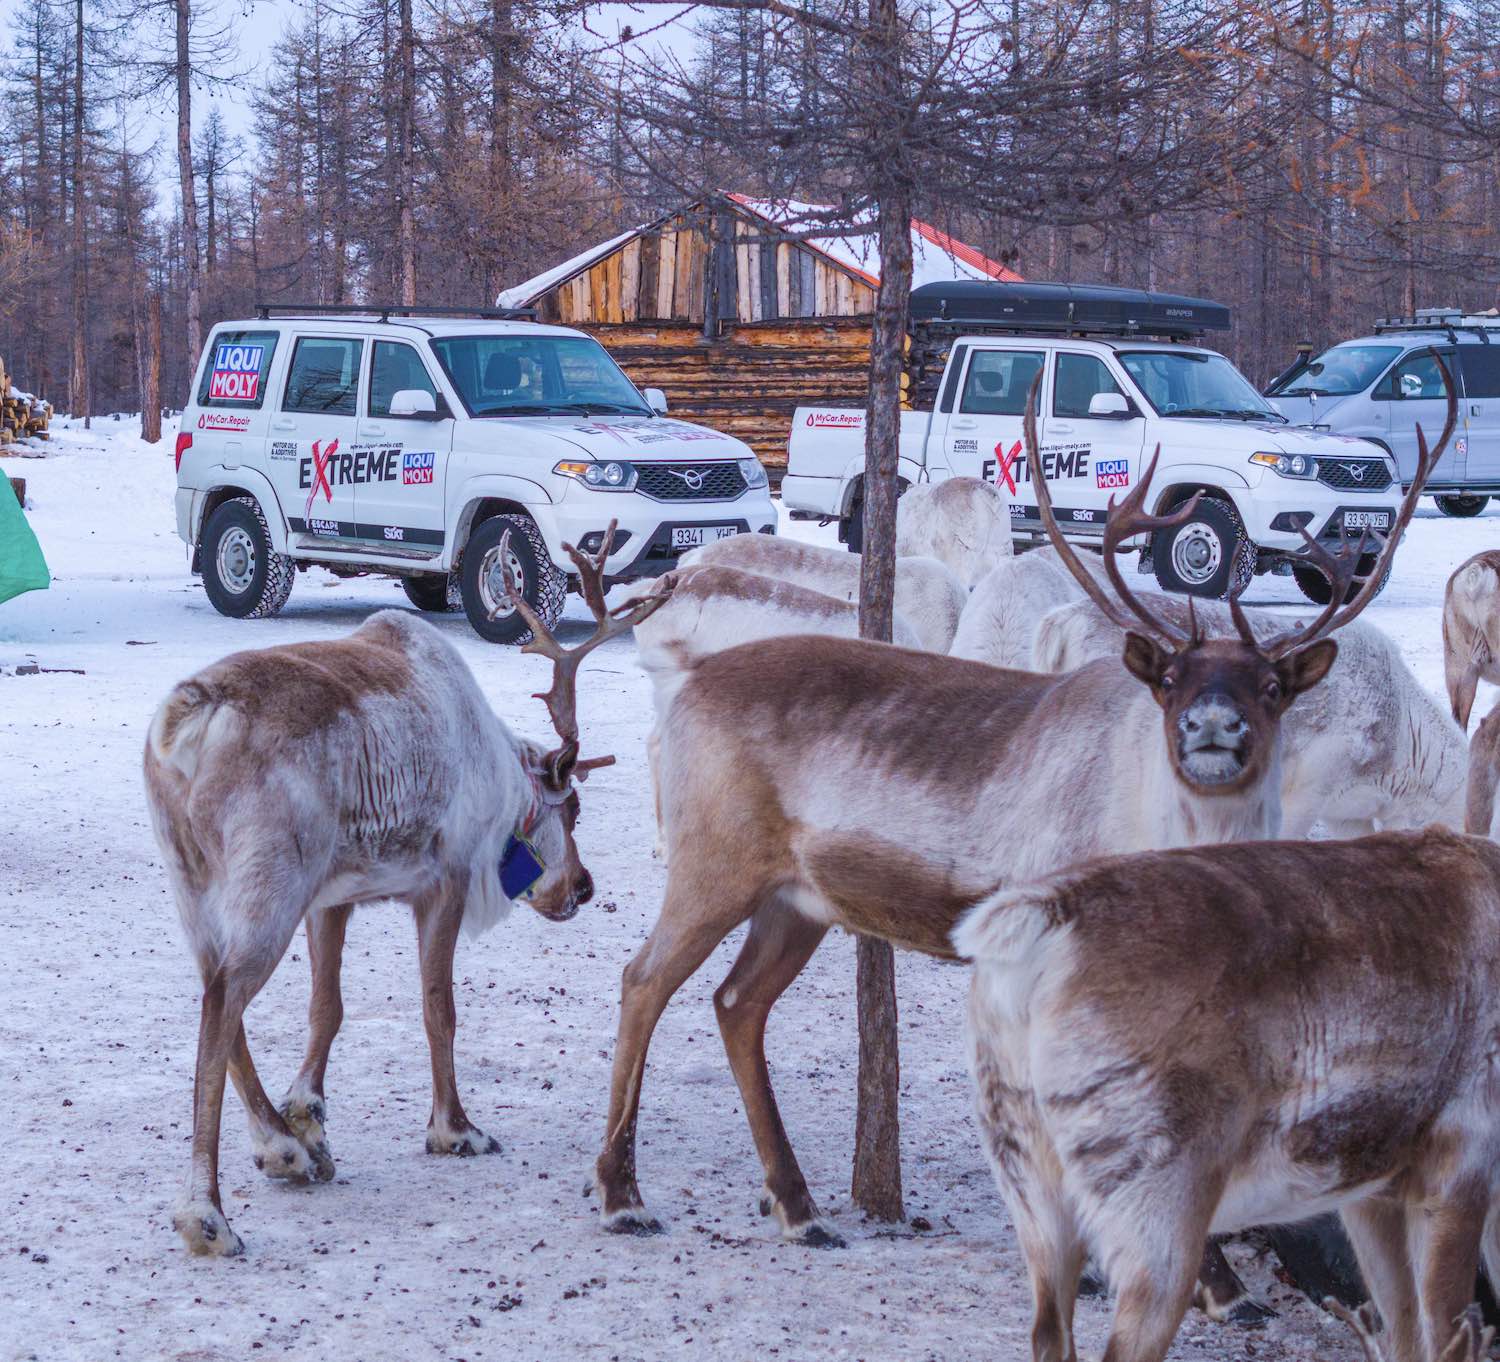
416 467
236 373
1112 473
836 420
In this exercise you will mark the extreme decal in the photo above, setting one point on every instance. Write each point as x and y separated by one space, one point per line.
236 373
1010 466
329 467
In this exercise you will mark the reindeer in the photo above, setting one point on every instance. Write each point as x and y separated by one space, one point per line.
1470 1342
1471 631
1368 750
1000 620
928 595
1484 778
295 783
817 782
1185 1042
962 522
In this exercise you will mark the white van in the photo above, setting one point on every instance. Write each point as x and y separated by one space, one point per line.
406 442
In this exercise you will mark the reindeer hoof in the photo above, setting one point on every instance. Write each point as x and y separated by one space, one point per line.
306 1117
465 1144
815 1234
284 1158
322 1161
1247 1313
1091 1285
206 1232
633 1220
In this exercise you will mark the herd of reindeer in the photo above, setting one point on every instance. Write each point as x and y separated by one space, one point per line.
1186 1018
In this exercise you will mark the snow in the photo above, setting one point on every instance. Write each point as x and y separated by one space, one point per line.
522 294
406 1255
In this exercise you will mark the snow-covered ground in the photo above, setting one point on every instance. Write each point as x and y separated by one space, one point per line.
405 1255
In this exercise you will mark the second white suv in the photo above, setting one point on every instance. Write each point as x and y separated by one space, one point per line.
391 441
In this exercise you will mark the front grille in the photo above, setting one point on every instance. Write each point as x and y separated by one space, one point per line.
690 481
1355 475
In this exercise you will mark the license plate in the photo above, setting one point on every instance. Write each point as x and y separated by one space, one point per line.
695 536
1367 520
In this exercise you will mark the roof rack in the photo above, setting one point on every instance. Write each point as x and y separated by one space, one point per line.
1072 309
1449 320
385 311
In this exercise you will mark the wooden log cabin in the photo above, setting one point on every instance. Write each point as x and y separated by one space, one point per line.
735 313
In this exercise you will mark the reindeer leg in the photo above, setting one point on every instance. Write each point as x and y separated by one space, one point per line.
1222 1296
683 938
779 944
1444 1240
304 1107
449 1130
278 1151
1377 1230
653 764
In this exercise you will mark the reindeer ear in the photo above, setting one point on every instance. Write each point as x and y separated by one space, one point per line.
560 766
1303 669
1145 659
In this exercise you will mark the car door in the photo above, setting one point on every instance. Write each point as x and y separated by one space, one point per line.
1089 457
400 501
1480 366
313 438
1413 393
982 435
231 424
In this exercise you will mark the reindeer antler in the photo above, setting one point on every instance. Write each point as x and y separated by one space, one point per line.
1340 568
1123 522
561 698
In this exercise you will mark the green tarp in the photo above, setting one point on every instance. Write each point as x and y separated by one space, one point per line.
22 567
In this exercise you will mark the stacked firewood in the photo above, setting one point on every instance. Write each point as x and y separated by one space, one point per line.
23 415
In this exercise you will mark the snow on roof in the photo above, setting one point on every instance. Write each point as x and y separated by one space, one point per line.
936 257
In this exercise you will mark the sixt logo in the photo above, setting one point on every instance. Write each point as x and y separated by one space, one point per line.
417 467
1112 473
236 373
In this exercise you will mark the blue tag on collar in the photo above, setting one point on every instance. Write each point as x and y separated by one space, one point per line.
520 868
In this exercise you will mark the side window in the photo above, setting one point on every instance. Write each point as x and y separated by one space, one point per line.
236 369
999 381
324 377
1416 376
395 367
1481 369
1079 378
950 388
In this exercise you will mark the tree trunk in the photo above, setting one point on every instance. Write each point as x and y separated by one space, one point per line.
407 187
186 182
151 402
876 1186
79 382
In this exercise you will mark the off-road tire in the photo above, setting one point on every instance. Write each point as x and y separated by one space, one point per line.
543 586
434 594
1462 508
1215 524
267 576
1314 585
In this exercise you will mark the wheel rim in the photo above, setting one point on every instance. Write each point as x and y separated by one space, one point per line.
1197 553
235 560
492 591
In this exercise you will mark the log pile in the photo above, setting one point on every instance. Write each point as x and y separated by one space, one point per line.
23 416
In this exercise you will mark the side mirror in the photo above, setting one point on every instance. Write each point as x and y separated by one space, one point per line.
1113 405
657 401
414 402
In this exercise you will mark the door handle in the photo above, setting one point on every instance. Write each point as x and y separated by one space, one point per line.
1059 428
375 430
964 425
1475 409
283 423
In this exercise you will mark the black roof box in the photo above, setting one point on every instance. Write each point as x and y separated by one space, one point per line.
1094 308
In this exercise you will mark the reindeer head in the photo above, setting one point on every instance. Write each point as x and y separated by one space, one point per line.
1222 698
548 826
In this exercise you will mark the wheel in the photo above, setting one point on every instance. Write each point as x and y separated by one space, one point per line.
245 578
1461 507
541 584
437 595
1314 585
854 527
1207 555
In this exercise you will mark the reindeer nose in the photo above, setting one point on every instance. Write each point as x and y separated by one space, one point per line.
584 890
1214 721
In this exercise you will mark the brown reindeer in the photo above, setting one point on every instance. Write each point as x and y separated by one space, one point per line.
1187 1042
1471 631
295 783
817 782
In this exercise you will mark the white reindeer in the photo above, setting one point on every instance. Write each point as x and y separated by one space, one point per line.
1368 750
876 789
1471 631
1000 619
297 782
962 522
1182 1043
928 595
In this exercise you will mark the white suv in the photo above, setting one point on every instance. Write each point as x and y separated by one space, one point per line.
396 442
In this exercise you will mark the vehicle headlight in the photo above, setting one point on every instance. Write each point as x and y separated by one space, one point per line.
613 476
753 472
1288 465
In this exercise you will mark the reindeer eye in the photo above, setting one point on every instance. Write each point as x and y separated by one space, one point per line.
1273 689
1167 682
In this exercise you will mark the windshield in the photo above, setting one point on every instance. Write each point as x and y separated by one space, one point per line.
1195 383
536 376
1338 372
